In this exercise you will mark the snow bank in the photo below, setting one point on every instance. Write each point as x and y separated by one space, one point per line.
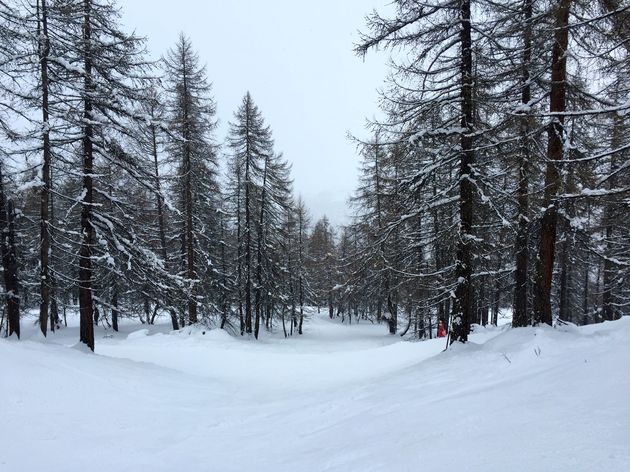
138 334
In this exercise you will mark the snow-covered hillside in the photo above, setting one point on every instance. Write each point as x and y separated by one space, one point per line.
340 398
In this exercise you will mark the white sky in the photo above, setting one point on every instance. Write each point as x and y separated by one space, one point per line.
296 59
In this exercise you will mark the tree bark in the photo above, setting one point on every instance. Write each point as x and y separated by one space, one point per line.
115 310
463 301
555 153
521 317
87 242
259 250
44 275
54 309
239 249
300 268
248 235
160 209
188 206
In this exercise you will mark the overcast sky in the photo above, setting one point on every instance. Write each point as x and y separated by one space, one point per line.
296 59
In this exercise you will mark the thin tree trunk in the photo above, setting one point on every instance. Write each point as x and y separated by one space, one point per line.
463 272
259 250
239 242
160 209
44 280
248 235
189 247
483 303
156 308
54 309
115 310
521 317
555 153
301 306
224 269
85 253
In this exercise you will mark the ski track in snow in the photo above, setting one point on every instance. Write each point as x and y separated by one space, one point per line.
340 398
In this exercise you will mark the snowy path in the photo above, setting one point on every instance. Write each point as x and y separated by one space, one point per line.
341 398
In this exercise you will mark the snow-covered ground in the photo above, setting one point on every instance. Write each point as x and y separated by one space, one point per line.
340 398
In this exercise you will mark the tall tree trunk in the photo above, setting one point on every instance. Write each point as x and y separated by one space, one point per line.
54 309
248 233
521 317
9 260
225 302
87 242
463 301
555 153
239 255
259 250
188 242
160 209
189 247
44 275
300 268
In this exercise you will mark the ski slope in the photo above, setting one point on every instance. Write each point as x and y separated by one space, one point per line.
340 398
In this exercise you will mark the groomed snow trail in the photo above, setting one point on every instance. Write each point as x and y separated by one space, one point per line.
340 398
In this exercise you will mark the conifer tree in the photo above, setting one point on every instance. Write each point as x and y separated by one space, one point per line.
192 121
105 75
251 146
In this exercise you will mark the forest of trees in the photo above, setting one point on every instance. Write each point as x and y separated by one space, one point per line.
500 174
113 201
499 177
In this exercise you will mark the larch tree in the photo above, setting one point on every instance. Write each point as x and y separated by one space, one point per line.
192 120
555 152
105 74
440 100
251 146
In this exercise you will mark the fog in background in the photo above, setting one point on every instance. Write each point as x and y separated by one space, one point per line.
297 60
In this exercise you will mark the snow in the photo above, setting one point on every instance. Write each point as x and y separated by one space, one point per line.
339 398
31 184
